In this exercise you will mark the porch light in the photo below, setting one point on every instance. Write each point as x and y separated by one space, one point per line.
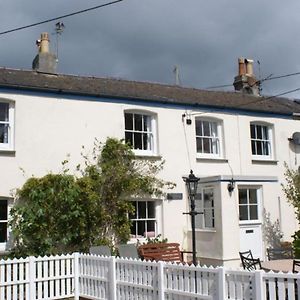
191 183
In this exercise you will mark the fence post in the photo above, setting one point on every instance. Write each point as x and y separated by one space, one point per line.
161 285
32 277
221 284
112 279
258 281
76 276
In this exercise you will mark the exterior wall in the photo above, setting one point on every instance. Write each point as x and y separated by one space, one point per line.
48 128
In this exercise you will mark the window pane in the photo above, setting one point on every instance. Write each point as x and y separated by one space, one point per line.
3 232
266 148
259 132
133 228
253 147
151 226
209 218
146 124
206 145
151 209
253 196
259 148
146 141
4 133
243 209
3 209
242 196
252 131
129 121
206 128
138 143
129 138
141 227
199 145
4 112
138 121
265 132
142 210
199 128
253 212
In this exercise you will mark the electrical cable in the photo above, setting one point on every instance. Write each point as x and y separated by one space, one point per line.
258 81
257 101
60 17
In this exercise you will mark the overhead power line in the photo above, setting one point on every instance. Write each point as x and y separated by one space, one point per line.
270 77
60 17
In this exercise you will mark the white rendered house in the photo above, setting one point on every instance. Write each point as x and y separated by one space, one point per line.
233 139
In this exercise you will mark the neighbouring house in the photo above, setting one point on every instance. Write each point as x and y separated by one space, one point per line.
236 142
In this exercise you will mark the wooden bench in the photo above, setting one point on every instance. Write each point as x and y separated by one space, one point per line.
161 251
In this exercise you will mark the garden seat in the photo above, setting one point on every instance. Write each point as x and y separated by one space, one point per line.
248 262
128 251
100 250
280 253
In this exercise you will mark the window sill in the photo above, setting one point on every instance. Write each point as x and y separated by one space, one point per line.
206 230
148 156
212 159
7 152
265 161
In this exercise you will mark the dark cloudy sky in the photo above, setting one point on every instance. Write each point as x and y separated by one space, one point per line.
143 39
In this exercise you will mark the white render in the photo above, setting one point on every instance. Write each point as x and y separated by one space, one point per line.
49 127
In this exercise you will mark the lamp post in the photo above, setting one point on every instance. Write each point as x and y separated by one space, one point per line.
191 183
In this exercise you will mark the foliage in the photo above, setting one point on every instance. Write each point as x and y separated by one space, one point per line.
292 189
61 213
156 240
292 192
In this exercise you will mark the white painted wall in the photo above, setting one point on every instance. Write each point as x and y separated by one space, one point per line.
47 129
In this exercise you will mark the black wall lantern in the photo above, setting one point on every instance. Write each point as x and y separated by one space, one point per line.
191 183
230 186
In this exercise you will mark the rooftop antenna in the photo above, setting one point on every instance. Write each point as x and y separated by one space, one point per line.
176 72
259 78
59 28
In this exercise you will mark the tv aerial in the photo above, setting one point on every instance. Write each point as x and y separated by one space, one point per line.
59 28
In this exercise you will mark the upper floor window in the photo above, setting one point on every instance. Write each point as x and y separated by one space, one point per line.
261 140
140 132
6 125
208 138
205 204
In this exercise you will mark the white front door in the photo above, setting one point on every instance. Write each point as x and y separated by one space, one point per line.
250 220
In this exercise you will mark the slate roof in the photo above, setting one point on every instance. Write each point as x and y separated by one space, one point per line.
152 92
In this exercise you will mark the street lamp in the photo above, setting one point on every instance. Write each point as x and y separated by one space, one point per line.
191 183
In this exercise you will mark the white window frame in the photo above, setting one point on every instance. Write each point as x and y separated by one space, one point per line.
267 140
258 190
201 219
152 132
215 138
157 219
10 123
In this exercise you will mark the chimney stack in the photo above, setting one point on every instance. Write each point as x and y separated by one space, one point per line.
44 61
245 81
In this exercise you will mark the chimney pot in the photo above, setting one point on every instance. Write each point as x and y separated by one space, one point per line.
249 67
44 60
44 44
242 69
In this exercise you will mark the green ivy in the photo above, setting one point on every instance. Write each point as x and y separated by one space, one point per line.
63 213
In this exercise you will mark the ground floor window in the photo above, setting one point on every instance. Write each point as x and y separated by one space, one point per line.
144 219
205 204
3 220
248 204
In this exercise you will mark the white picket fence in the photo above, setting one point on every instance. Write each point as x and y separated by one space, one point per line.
110 278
